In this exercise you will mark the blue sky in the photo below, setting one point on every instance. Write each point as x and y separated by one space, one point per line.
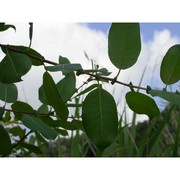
147 29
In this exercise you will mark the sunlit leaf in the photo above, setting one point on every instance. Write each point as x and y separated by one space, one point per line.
53 96
13 67
124 44
99 117
8 92
36 124
5 142
142 104
170 67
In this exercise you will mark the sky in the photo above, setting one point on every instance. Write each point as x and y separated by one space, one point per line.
72 39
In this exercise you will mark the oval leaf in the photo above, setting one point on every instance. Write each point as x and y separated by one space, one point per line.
53 96
170 66
142 104
5 142
67 86
99 117
36 58
13 66
124 44
168 96
8 92
36 124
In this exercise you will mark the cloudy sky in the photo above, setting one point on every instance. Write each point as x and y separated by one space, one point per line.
72 39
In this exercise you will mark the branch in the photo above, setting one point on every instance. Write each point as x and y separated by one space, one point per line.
113 80
30 113
80 72
29 55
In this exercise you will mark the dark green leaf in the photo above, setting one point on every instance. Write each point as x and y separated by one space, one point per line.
99 117
2 110
21 107
4 27
72 125
142 104
36 124
67 87
13 67
124 44
170 67
62 132
36 58
168 96
53 96
8 92
43 109
50 122
42 95
5 142
31 148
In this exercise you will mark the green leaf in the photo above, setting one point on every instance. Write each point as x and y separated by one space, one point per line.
2 110
124 44
99 117
17 131
170 66
53 97
62 132
93 86
5 142
42 95
63 60
4 27
36 58
168 96
50 122
31 148
21 107
8 92
67 87
43 109
36 124
65 68
13 67
142 104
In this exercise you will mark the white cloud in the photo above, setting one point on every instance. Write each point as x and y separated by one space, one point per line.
71 40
